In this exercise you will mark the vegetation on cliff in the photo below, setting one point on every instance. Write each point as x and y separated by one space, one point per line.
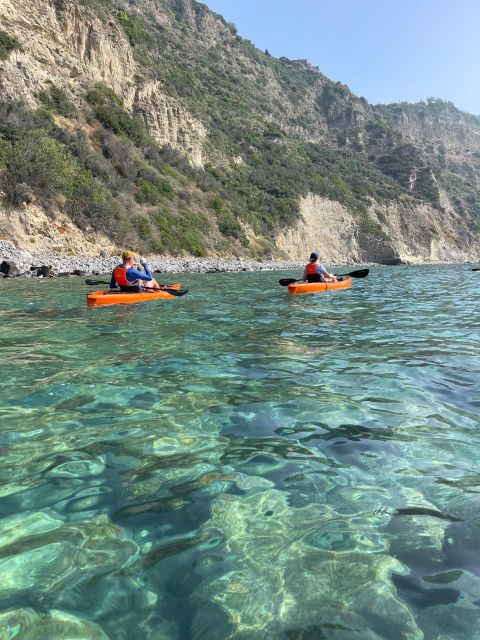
8 43
277 130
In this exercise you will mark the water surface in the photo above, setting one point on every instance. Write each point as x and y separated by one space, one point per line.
238 463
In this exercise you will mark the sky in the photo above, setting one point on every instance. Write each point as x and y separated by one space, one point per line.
384 50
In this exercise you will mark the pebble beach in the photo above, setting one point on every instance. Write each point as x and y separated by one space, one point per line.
16 262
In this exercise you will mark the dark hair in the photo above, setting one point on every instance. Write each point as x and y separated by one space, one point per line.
314 255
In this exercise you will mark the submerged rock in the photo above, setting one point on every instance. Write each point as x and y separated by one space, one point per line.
41 555
26 624
300 568
14 622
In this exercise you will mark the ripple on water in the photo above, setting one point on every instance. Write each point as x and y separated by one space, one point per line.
238 463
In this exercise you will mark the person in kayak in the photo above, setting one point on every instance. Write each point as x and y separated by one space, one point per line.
316 272
128 278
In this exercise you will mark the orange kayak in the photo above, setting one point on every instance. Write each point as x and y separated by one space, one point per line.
98 298
316 287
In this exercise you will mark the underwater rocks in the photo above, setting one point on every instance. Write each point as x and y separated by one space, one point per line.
41 555
28 625
291 569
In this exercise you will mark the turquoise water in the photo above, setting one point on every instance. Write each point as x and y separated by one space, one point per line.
238 463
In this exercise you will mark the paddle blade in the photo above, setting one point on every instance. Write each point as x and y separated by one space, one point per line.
360 273
286 281
93 283
476 269
177 292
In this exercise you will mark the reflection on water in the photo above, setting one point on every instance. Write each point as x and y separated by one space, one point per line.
254 466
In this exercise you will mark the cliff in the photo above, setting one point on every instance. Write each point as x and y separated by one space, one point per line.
154 124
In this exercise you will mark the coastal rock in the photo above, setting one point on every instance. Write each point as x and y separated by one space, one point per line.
169 123
10 268
31 230
42 272
394 234
89 50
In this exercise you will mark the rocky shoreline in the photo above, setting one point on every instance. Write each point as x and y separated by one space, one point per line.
21 263
18 263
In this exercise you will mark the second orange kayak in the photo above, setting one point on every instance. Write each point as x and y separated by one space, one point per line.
316 287
98 298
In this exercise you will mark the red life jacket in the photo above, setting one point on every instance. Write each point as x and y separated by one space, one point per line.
120 275
311 268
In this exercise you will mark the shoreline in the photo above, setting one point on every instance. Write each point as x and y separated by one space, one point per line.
21 263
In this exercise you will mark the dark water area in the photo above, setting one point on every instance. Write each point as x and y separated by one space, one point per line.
241 463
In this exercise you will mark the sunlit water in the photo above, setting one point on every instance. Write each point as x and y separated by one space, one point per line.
238 463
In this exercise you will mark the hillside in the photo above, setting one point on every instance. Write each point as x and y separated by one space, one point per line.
155 125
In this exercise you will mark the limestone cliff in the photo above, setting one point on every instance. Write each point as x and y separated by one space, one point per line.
194 141
413 234
68 45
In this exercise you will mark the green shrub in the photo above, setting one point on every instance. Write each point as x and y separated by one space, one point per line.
110 112
3 152
181 232
40 162
229 226
368 225
54 99
147 193
48 169
273 132
8 44
90 204
167 170
153 193
218 205
227 223
165 189
141 223
133 27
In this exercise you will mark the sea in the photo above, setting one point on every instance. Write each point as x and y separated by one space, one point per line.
241 463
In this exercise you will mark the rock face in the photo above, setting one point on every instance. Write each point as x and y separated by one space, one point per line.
66 42
412 234
451 128
70 49
32 229
169 123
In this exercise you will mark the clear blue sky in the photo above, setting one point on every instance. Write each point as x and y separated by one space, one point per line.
384 50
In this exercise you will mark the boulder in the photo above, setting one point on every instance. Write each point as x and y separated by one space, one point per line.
10 268
43 271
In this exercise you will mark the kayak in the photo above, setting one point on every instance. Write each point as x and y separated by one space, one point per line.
316 287
99 298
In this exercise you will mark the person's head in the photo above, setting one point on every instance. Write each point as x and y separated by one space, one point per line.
128 257
314 256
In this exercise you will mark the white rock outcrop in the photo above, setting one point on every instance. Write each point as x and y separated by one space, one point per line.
415 234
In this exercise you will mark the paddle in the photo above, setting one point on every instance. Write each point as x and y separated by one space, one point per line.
359 273
476 269
174 292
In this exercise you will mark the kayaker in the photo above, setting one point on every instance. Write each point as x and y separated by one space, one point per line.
128 278
316 272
